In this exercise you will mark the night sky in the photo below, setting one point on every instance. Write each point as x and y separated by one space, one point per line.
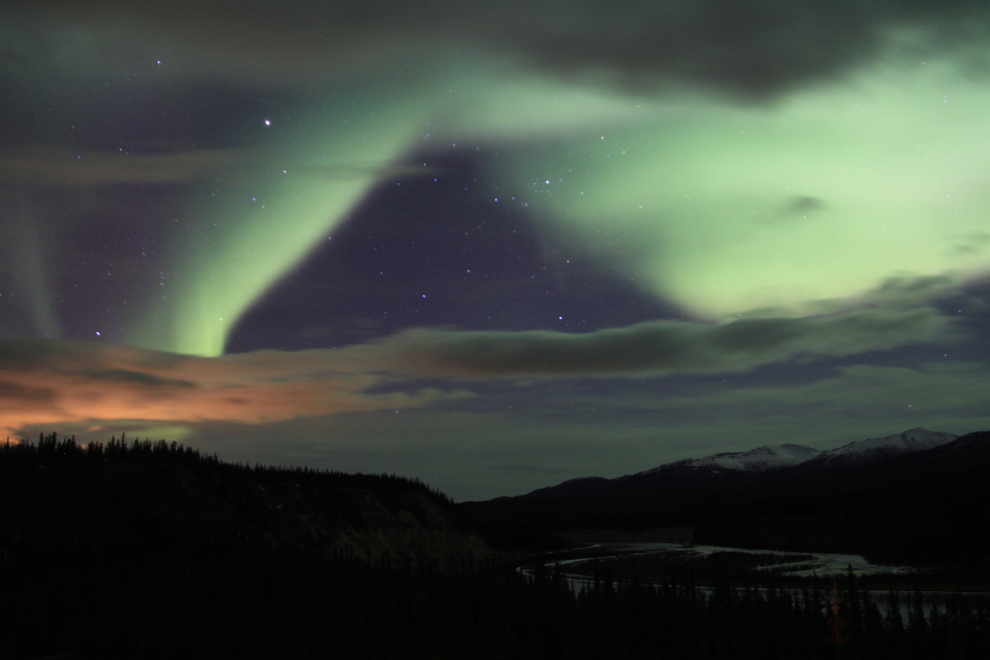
494 245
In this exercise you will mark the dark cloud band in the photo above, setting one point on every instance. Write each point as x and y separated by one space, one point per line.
657 347
753 49
45 381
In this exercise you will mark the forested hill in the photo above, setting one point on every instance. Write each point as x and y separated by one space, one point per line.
160 497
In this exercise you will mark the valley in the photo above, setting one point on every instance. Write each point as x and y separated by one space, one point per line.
905 505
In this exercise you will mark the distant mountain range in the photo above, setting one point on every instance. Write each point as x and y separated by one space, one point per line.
917 496
768 461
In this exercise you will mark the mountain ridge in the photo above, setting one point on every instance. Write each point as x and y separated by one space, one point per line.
766 460
915 506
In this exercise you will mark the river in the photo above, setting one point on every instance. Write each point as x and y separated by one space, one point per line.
808 564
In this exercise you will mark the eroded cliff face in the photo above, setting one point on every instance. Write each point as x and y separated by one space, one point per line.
135 507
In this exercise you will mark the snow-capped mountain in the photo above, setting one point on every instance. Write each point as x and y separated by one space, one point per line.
771 457
768 461
762 458
872 449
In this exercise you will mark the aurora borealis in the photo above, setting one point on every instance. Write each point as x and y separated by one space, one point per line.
494 245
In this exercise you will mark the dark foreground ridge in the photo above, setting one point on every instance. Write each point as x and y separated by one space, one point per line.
154 551
162 497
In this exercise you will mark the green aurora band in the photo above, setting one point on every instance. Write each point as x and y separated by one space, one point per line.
279 215
720 206
725 209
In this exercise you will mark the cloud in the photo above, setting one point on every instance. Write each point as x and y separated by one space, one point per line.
362 170
62 166
970 243
137 378
654 348
797 207
47 382
50 165
19 393
755 49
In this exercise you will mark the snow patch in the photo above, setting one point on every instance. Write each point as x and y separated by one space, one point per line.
770 457
914 440
767 457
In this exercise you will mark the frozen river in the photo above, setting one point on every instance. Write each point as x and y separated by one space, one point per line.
820 564
823 564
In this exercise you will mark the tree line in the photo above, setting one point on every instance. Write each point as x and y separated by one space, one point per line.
262 604
50 449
